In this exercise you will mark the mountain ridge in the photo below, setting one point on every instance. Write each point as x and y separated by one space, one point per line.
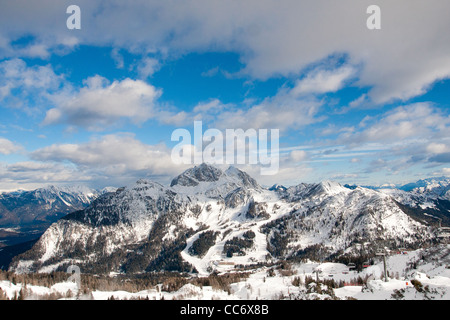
151 227
46 204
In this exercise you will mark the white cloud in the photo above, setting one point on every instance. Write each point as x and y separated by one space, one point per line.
32 175
359 101
410 135
101 103
15 74
121 159
411 122
27 88
211 106
118 157
8 147
437 148
35 51
147 67
400 61
283 111
209 111
344 176
323 81
272 39
118 58
298 155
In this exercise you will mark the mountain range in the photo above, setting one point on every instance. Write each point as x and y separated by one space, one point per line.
25 215
22 208
209 219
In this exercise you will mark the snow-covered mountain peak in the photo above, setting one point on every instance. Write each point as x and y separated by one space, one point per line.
427 184
332 187
66 194
108 190
147 184
323 189
242 177
147 188
209 215
432 188
211 181
193 176
45 204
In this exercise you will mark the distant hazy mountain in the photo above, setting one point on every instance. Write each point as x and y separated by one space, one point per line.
43 205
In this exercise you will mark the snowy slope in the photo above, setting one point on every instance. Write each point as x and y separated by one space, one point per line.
334 217
421 274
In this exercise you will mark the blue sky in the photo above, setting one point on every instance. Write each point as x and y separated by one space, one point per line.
97 106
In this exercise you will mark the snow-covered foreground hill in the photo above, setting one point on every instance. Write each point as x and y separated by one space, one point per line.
414 275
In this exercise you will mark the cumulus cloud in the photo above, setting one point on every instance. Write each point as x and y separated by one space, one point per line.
415 121
323 81
208 111
298 155
98 104
437 148
398 139
118 156
147 67
29 82
118 58
272 38
32 175
283 111
211 106
120 159
110 160
289 39
101 103
8 147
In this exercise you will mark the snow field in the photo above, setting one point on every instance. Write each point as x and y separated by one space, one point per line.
433 276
